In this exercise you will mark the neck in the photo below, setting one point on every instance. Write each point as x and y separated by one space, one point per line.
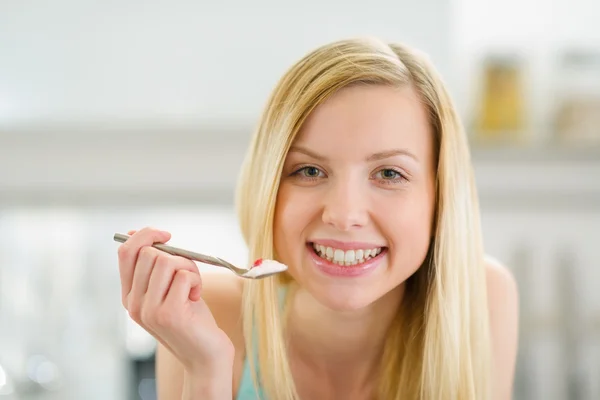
342 343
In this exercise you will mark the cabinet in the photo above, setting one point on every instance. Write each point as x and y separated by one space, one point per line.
541 218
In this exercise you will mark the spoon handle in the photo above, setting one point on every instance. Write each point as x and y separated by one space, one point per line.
122 238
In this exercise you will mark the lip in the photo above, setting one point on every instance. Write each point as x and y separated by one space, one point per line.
336 270
345 245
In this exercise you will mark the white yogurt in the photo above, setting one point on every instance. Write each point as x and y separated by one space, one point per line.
265 267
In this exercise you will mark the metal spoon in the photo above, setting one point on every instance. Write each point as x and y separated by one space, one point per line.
190 255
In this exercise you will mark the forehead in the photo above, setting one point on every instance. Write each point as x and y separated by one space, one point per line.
361 119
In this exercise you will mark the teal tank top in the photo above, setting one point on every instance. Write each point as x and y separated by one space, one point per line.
247 390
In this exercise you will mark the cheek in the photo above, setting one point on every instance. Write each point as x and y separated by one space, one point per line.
410 226
290 219
410 229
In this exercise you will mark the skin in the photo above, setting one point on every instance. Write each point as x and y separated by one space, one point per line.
344 180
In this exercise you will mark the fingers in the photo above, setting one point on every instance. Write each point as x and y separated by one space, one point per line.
162 294
169 313
183 282
163 275
171 282
141 273
128 254
149 277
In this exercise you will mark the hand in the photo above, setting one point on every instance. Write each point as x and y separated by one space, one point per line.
162 293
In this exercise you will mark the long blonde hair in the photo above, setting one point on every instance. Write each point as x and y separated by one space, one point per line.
438 347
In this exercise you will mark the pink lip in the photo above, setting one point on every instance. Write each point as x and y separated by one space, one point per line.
345 245
329 268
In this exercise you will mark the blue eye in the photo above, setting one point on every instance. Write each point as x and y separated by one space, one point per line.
389 175
308 172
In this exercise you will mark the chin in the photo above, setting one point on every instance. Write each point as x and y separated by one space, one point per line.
340 294
350 304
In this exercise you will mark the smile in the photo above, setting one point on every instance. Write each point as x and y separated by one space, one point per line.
345 258
350 263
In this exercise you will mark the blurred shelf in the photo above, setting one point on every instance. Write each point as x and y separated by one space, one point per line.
536 154
111 198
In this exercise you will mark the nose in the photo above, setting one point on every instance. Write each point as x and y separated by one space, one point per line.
345 206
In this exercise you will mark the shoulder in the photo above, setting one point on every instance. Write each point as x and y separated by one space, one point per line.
502 289
503 303
222 292
500 280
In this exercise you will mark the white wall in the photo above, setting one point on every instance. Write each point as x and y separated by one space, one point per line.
181 60
102 100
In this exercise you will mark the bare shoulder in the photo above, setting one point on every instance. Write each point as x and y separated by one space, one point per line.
503 302
500 279
222 293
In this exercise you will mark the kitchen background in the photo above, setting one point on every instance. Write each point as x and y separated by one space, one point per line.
117 115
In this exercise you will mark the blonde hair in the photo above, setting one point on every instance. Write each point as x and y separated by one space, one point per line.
438 347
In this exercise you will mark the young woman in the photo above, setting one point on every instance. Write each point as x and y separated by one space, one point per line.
358 179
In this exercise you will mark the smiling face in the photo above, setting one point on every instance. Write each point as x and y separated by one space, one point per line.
356 201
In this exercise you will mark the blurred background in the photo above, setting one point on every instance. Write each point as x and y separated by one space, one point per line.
116 115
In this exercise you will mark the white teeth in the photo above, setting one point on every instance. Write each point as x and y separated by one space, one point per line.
329 252
346 258
349 256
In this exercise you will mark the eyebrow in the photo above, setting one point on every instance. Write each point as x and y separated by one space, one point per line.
373 157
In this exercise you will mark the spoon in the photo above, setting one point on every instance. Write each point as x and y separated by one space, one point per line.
260 269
